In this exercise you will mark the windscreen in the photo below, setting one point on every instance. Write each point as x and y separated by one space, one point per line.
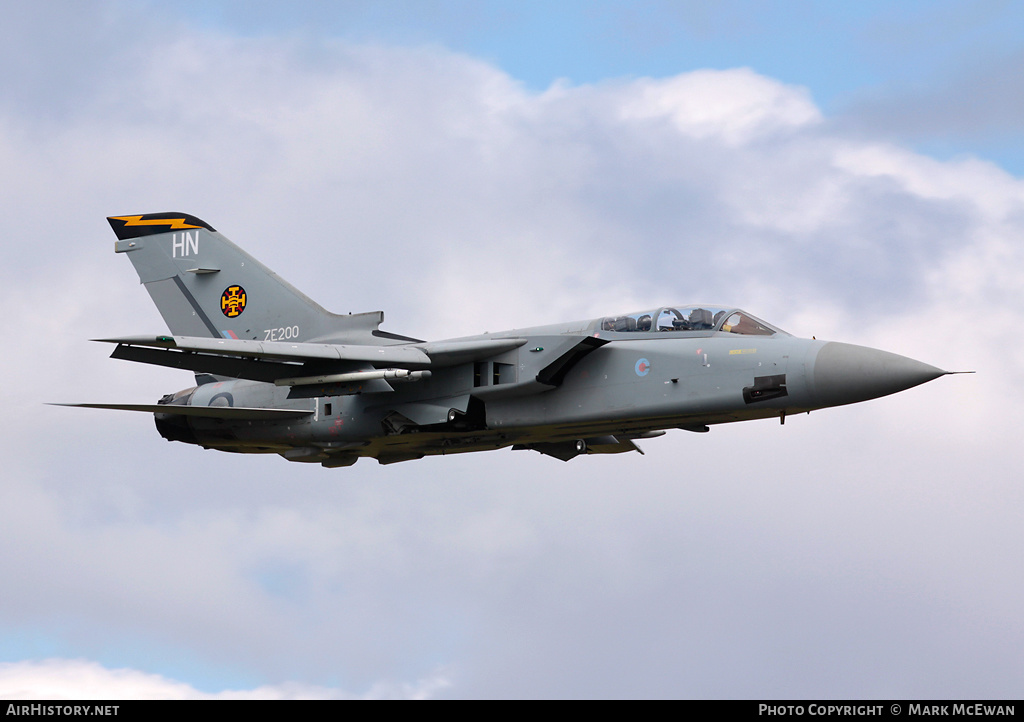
688 318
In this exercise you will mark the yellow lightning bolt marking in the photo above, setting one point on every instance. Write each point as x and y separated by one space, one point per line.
174 224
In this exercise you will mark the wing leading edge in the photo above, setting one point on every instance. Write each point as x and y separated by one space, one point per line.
272 361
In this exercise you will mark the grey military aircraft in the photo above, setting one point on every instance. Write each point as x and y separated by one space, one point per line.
276 373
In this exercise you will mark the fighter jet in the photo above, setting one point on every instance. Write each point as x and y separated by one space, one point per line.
277 374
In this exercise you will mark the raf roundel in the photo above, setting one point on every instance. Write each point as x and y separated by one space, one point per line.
643 367
232 301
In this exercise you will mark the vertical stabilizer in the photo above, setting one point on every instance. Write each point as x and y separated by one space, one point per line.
205 285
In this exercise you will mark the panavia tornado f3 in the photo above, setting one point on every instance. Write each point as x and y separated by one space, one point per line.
277 374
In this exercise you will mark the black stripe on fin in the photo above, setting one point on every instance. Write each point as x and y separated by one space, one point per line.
148 224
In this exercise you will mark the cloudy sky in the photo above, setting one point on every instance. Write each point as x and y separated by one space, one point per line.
853 172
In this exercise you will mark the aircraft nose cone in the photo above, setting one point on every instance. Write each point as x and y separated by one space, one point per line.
846 374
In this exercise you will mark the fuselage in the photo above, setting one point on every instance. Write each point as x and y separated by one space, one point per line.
577 384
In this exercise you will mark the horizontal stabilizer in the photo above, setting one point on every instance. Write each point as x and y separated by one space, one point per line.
208 412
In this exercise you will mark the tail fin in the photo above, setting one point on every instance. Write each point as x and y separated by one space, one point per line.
205 285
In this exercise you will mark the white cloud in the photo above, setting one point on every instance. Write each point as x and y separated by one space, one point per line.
76 679
956 181
734 105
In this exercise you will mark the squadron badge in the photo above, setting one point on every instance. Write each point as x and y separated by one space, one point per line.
232 301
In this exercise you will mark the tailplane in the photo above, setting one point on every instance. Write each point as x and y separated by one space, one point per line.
205 285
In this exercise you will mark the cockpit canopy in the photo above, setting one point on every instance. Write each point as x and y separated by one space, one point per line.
689 318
